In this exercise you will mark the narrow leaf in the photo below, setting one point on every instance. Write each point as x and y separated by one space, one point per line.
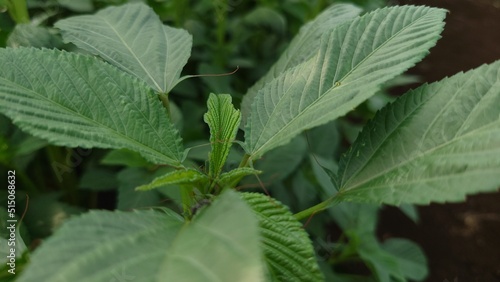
223 120
133 38
350 65
185 176
303 46
437 143
287 248
73 100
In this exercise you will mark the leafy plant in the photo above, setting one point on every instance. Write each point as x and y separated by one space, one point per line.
436 143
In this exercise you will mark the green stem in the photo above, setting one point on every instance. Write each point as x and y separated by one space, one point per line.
18 11
165 102
187 200
317 208
244 161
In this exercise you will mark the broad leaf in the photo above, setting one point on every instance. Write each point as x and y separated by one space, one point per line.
223 120
98 179
133 38
153 246
411 259
129 179
303 46
287 248
279 163
350 65
437 143
222 244
124 157
384 266
29 35
184 176
73 100
81 249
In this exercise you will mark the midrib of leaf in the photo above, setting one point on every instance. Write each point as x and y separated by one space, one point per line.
423 179
424 153
446 106
82 258
91 121
331 88
133 54
274 113
373 52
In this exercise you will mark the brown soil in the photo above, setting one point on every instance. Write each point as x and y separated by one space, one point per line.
462 241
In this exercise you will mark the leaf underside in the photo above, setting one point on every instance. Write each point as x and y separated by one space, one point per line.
350 65
132 38
436 143
303 46
81 249
74 100
221 244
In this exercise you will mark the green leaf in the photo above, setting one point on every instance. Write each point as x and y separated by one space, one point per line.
324 140
266 17
48 213
227 178
287 248
80 6
128 179
410 211
384 265
350 65
98 179
410 257
133 38
73 100
361 218
98 236
184 176
223 120
437 143
303 46
222 244
322 170
280 162
124 157
153 246
29 35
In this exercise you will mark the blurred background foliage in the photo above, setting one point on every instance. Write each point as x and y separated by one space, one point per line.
239 38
